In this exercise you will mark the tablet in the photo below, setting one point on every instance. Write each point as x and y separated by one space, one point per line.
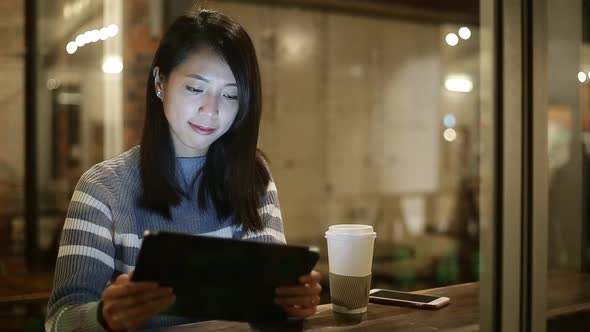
227 279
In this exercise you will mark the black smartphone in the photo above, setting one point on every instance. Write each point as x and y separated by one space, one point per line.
384 296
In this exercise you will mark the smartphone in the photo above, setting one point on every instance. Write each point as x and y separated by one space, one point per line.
384 296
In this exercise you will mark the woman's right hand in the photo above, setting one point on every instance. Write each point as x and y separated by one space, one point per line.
127 305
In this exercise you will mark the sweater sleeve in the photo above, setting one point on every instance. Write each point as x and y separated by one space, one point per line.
270 215
85 261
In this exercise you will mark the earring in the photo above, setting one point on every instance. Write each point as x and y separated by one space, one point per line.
159 94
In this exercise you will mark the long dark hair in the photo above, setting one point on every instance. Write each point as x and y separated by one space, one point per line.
235 175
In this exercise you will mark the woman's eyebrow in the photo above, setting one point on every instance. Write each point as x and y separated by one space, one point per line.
204 79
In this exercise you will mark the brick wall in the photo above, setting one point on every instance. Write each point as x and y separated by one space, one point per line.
138 50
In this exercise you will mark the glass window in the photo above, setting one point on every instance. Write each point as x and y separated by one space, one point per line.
12 144
79 102
369 117
374 120
568 153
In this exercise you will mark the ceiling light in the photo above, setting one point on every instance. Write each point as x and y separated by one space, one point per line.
465 33
452 39
458 83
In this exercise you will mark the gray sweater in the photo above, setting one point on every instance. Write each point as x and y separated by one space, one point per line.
103 231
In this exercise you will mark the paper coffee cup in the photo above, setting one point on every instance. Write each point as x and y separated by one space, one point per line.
350 258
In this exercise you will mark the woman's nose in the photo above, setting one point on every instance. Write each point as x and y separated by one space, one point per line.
209 107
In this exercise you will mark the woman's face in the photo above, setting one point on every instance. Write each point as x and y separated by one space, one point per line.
200 99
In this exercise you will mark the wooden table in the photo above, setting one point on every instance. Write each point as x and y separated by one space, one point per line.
23 298
568 296
24 288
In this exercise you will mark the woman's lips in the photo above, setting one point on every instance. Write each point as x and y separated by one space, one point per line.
202 130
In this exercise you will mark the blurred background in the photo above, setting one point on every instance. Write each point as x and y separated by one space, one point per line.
371 115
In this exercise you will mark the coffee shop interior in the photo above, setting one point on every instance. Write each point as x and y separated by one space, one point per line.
414 117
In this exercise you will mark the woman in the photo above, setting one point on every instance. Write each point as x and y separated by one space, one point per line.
196 171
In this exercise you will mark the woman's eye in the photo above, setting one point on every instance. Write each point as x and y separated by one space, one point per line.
195 90
231 97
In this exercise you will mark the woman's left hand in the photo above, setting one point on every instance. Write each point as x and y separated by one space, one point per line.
302 300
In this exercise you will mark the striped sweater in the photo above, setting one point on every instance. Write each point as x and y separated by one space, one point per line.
103 231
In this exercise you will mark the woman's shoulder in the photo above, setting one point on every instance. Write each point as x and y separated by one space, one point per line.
115 169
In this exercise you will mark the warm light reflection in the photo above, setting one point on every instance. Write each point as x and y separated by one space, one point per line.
112 65
74 8
465 33
450 134
71 47
582 77
104 33
296 45
53 83
458 83
80 40
69 98
92 36
452 39
112 30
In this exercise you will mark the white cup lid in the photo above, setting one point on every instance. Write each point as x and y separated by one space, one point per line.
351 230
